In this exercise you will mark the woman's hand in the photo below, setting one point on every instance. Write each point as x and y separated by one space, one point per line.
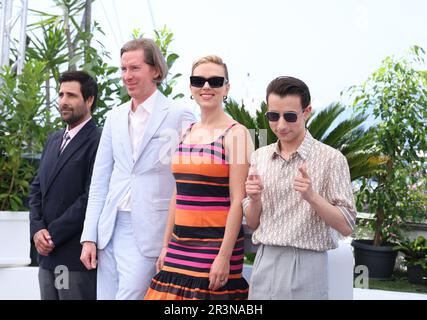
161 260
218 276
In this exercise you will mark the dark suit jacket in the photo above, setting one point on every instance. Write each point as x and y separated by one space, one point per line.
59 195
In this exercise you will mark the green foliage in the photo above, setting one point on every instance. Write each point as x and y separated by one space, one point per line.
66 44
410 195
415 251
49 48
110 88
396 95
73 32
347 136
20 131
250 258
398 283
258 125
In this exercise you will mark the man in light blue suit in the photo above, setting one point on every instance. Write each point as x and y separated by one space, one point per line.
132 183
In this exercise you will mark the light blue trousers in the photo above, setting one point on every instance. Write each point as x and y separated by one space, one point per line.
123 272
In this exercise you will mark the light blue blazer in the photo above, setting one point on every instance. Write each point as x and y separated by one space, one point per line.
149 177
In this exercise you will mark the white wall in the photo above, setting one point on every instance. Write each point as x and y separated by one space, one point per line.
19 283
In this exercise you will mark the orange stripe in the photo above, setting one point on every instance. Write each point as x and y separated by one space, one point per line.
204 183
210 170
196 159
196 274
201 219
194 212
186 272
157 295
202 240
197 239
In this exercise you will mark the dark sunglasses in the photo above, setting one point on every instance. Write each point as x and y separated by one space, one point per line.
214 82
289 116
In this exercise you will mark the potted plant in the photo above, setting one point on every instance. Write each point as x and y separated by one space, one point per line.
415 259
396 96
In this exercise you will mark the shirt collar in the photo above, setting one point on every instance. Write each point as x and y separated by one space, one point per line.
303 150
73 132
147 105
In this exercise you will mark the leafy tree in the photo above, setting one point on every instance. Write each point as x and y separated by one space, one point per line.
396 94
19 131
258 125
348 136
68 43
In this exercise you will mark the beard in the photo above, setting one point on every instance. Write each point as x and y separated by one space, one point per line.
71 117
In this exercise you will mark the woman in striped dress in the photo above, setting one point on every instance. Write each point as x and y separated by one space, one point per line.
203 249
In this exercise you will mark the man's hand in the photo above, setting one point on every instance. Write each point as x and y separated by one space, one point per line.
254 185
88 256
43 242
302 184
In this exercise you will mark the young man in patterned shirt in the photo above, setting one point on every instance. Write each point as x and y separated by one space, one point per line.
299 200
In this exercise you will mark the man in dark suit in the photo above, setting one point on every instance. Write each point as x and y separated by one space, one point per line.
59 193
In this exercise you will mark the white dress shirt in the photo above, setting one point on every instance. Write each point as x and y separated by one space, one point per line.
138 121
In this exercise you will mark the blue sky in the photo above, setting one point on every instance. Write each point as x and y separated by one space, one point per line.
329 44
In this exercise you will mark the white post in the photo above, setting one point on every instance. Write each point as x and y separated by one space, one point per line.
151 14
22 36
5 25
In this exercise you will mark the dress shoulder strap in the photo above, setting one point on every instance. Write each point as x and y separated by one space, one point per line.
227 130
187 132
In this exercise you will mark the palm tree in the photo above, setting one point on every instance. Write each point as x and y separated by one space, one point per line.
254 124
347 136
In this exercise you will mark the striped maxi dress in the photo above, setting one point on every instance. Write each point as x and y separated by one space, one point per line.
201 172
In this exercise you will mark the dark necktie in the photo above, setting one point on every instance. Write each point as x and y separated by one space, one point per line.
65 139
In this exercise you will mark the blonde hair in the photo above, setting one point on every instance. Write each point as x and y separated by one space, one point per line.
210 59
152 55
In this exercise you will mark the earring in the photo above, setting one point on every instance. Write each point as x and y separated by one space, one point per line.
225 98
191 97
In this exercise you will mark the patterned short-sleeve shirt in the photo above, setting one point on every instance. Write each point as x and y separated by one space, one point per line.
286 218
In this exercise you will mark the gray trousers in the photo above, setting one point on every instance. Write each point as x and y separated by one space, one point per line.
288 273
67 285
